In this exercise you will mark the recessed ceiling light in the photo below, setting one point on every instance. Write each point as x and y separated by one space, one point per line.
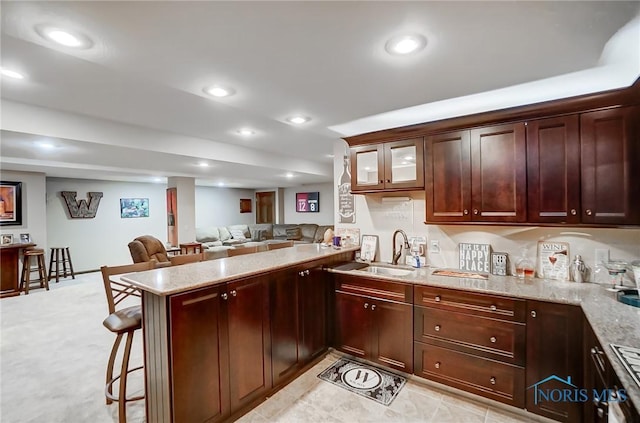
298 119
220 184
219 91
46 145
11 73
203 164
289 175
64 37
406 44
246 132
157 179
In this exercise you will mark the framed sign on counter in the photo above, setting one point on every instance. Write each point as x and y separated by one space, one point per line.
308 202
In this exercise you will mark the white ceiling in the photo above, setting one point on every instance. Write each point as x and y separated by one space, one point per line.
132 106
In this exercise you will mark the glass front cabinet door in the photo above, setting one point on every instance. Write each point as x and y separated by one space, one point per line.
396 165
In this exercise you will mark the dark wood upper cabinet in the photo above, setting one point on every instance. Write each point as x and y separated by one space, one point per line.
553 170
478 175
448 164
610 154
499 173
390 166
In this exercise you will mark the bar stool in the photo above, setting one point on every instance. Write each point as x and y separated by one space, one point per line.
121 321
60 256
25 280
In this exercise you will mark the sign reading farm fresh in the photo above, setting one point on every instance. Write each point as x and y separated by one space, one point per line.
475 257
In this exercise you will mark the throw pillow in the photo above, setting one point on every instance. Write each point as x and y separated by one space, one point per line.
294 234
237 234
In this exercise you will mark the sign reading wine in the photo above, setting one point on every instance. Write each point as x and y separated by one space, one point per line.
308 202
346 202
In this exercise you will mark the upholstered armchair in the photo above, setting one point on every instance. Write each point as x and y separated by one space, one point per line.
148 248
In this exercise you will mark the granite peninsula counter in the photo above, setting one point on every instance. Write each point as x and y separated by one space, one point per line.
176 279
612 321
221 335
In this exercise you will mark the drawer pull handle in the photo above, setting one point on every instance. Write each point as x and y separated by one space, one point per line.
366 305
493 339
493 307
492 380
437 298
533 314
437 328
437 364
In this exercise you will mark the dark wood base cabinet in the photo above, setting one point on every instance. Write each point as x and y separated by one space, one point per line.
554 352
220 353
374 321
488 378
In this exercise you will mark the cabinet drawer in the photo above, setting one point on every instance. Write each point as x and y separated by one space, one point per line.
487 378
471 303
375 288
497 339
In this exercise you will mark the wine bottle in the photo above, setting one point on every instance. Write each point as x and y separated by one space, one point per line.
346 208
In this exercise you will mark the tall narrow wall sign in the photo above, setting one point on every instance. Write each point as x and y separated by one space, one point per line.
80 209
346 201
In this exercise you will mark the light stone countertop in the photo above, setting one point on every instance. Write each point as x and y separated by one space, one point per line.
176 279
612 321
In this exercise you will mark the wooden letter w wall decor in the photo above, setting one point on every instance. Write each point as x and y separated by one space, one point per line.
80 209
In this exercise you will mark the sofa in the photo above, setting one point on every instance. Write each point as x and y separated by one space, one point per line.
217 240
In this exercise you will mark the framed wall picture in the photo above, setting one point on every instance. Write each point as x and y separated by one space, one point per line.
10 203
245 205
25 238
134 207
6 239
308 202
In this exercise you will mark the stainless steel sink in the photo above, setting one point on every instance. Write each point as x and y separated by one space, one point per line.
389 271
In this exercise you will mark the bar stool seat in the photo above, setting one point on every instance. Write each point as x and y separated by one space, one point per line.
60 256
25 280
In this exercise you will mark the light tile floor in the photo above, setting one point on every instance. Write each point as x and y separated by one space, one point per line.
309 399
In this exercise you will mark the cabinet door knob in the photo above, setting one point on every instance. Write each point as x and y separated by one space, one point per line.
437 328
366 305
382 181
465 212
373 307
493 339
234 293
437 298
224 296
306 272
588 212
492 380
388 181
574 212
533 313
437 365
493 307
301 274
476 211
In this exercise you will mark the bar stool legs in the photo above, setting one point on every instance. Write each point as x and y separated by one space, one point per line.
60 256
124 371
25 279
